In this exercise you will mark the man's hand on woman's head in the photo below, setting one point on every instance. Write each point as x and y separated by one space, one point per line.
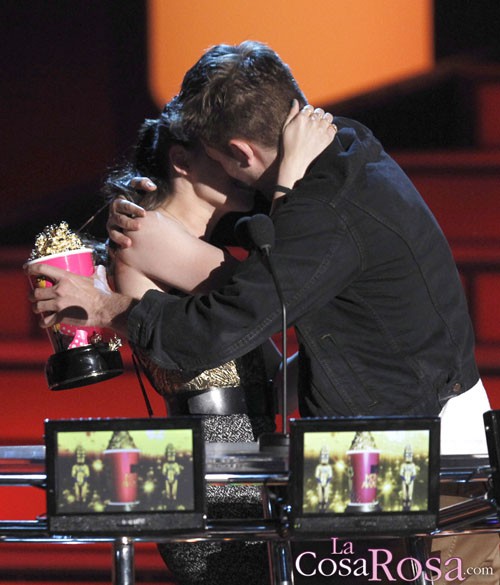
125 215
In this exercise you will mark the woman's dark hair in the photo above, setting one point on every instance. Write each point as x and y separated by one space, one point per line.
149 159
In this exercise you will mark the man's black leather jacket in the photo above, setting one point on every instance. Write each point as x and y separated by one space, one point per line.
370 287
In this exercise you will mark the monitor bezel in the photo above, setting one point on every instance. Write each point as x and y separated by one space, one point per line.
119 522
323 524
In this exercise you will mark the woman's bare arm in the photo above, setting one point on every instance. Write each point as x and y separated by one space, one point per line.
164 255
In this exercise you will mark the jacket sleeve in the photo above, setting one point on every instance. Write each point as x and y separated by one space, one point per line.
315 257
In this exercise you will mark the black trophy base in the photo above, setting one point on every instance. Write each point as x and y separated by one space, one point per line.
82 366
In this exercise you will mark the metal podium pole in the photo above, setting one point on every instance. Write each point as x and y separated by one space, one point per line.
123 561
279 552
418 549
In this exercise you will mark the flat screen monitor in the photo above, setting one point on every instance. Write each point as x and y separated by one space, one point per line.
124 476
359 476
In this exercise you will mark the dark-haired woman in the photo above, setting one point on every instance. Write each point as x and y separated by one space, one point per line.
171 252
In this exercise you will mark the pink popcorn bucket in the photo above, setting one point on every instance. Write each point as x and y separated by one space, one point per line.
364 466
122 467
81 357
80 262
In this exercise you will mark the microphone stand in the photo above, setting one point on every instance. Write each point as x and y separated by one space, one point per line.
257 232
266 251
280 554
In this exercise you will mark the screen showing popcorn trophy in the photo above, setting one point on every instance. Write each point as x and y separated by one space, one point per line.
85 355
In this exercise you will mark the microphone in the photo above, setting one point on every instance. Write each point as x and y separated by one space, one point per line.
257 232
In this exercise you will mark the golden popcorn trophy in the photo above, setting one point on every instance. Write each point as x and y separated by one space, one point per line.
82 355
